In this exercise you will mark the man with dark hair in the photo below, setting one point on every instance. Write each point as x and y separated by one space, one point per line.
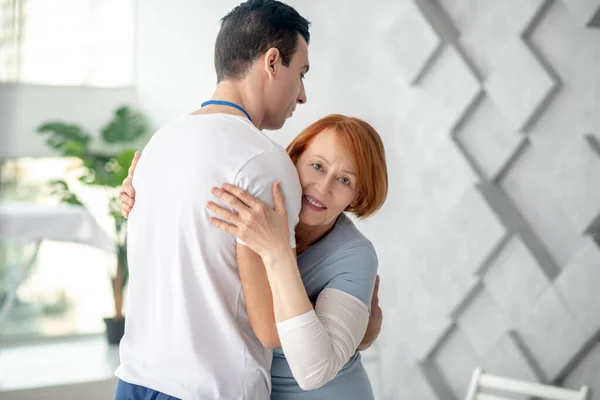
188 333
251 29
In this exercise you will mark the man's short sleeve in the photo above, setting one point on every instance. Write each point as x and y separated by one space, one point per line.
258 175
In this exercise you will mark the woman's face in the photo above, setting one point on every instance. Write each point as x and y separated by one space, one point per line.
328 179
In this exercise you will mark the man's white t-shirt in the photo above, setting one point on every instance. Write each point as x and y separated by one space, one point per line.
187 332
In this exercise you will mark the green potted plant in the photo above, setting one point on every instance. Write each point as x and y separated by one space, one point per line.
107 169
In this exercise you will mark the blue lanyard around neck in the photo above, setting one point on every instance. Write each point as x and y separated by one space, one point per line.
227 103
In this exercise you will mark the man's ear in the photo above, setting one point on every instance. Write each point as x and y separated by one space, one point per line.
272 62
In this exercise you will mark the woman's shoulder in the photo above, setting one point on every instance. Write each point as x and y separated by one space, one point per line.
343 248
353 263
348 237
348 249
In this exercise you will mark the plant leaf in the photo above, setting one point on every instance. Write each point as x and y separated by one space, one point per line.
67 139
61 188
126 126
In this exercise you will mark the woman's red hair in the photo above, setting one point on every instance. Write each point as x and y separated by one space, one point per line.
364 146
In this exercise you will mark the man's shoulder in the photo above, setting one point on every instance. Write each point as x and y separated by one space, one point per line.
228 123
268 165
253 142
241 140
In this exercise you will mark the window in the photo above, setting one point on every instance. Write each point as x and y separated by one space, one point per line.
68 290
67 42
60 43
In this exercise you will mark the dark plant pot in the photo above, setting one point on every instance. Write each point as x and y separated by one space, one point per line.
115 328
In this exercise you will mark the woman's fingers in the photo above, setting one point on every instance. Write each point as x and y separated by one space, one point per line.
125 197
125 202
242 195
224 214
125 206
224 226
128 189
127 186
279 199
375 298
134 162
125 210
231 200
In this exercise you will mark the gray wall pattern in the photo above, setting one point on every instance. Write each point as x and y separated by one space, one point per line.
490 114
509 280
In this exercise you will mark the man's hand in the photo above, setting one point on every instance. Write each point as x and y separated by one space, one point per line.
375 320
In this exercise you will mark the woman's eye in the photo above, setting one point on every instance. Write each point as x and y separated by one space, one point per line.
345 181
317 166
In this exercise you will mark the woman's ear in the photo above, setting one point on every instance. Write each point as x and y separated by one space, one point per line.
353 204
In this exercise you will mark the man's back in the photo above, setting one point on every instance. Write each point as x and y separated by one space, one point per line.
187 330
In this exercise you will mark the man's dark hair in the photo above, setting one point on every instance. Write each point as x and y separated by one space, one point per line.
251 29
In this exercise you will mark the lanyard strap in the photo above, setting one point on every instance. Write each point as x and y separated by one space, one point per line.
226 103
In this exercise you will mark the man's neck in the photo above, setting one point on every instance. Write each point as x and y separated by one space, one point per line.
238 92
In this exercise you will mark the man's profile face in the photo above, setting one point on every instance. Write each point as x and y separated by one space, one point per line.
286 91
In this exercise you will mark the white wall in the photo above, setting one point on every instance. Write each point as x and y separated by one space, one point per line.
174 69
25 107
483 243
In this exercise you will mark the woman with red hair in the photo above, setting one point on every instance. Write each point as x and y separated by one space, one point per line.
323 296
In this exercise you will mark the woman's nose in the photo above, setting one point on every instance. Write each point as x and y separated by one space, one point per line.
324 186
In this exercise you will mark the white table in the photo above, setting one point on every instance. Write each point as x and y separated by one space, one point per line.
38 370
29 224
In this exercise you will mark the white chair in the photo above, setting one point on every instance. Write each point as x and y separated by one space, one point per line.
481 382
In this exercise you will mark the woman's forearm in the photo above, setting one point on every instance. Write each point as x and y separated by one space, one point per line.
317 344
289 295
